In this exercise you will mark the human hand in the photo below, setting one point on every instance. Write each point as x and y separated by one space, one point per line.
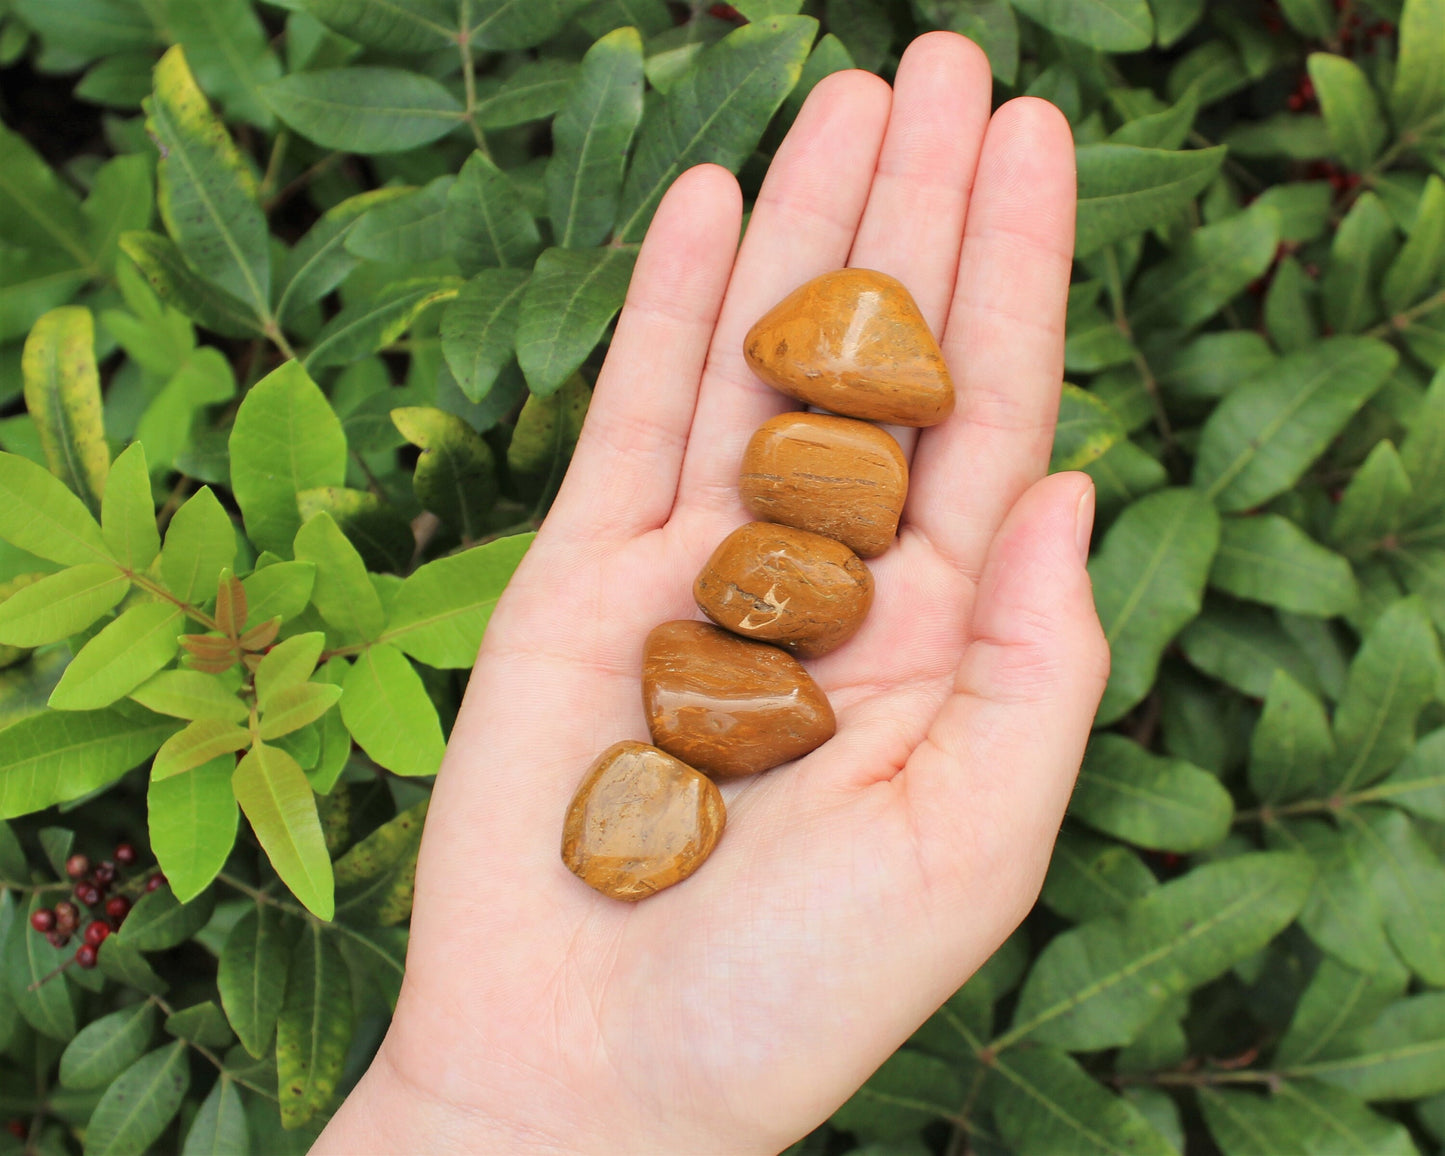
854 890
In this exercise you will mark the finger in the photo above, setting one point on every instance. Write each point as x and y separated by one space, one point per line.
803 224
637 424
989 786
1004 339
912 227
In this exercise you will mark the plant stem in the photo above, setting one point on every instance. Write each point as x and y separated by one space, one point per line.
469 77
273 164
155 589
210 1055
261 897
1121 321
300 182
1403 319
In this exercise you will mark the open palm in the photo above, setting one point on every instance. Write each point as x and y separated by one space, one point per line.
855 889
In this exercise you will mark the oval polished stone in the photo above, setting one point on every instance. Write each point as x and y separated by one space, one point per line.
728 706
837 477
801 591
641 821
853 341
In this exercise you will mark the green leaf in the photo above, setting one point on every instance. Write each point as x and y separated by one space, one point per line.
219 1128
1108 25
1421 260
567 305
1338 1000
1148 575
136 1108
406 228
1401 1056
908 1091
1304 1116
296 707
281 590
206 192
379 954
1097 985
200 543
479 328
1266 433
387 711
1289 307
89 28
199 742
1086 430
1352 111
1124 189
286 439
365 109
193 825
251 976
395 25
128 513
534 92
1209 270
376 878
335 739
50 757
442 609
321 259
1364 246
314 1032
202 1023
277 799
40 516
226 46
503 25
124 964
1167 129
106 1047
456 476
48 1007
121 657
1090 877
159 920
1418 783
160 262
1267 558
1391 679
716 112
487 220
1291 745
1418 95
189 694
38 210
1374 503
1162 804
590 139
343 594
1409 881
62 395
287 664
169 422
1044 1104
367 326
59 605
1314 18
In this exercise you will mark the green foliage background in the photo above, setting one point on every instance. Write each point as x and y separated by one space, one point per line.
300 302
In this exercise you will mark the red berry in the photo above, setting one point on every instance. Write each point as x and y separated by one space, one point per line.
76 866
57 938
85 955
117 907
95 932
87 893
43 920
105 874
67 917
17 1129
156 881
124 854
1296 102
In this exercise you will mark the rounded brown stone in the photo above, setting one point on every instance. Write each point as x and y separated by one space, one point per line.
641 821
728 706
853 341
801 591
837 477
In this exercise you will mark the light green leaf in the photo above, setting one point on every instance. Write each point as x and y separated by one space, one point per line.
128 513
1124 189
40 516
287 664
59 605
1267 558
1418 783
313 1034
479 328
442 609
456 476
206 193
1364 246
124 964
251 976
367 326
1338 1000
321 259
296 707
219 1128
89 28
566 307
487 220
121 657
286 439
200 543
166 272
281 590
136 1108
395 25
1401 1056
1304 1117
716 112
1418 96
1421 261
1090 877
277 799
108 1046
343 594
1162 804
590 139
406 228
62 395
1149 574
1351 109
1097 985
122 197
376 878
1265 434
365 109
1291 745
1409 880
1374 503
1086 430
189 694
387 711
193 823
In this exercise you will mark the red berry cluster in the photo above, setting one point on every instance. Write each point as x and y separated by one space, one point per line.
18 1129
92 889
1341 181
1354 29
1304 95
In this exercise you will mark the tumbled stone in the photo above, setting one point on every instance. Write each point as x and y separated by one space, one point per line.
640 821
854 342
837 477
728 706
801 591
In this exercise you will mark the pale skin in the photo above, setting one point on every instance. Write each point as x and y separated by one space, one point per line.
856 889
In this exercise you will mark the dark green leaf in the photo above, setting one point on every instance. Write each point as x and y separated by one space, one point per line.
314 1031
252 976
1339 1000
136 1108
479 328
908 1091
365 109
1108 25
202 1023
108 1046
407 228
1401 1056
321 259
566 307
1364 247
159 920
367 326
1302 1116
1292 744
49 1006
1267 558
219 1128
1124 188
456 476
395 25
1418 96
1090 877
1162 804
1352 111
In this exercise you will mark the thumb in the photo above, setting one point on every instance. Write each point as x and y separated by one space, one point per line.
992 783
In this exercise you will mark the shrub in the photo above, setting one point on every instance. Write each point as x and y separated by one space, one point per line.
300 301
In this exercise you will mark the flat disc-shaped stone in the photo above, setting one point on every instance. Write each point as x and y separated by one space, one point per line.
728 706
801 591
834 476
853 341
641 821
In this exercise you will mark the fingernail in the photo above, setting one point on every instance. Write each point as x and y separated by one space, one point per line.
1084 522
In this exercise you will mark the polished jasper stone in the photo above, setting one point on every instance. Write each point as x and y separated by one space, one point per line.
853 341
837 477
640 821
801 591
728 706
